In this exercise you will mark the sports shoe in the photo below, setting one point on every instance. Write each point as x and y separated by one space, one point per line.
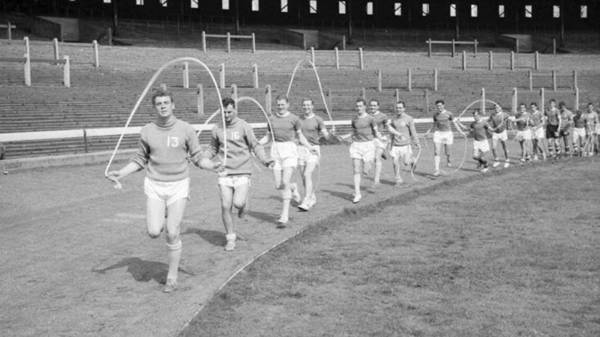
230 245
399 183
485 169
357 198
375 185
282 222
535 158
496 163
304 205
449 164
312 201
436 173
506 163
170 286
522 160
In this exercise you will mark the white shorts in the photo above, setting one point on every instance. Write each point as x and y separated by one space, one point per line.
539 133
235 180
380 144
305 156
503 136
364 151
285 155
403 152
523 135
443 137
578 133
168 191
480 145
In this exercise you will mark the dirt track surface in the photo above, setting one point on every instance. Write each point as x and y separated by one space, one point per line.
76 261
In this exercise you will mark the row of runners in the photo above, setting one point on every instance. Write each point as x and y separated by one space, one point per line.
168 144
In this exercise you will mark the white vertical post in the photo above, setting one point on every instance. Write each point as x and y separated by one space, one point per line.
55 47
312 55
337 58
96 55
512 60
255 75
483 101
363 93
542 99
234 91
464 60
536 61
361 60
9 30
204 41
429 47
379 80
228 42
435 79
576 99
409 75
268 98
27 49
67 72
253 43
530 75
397 95
575 79
222 75
491 60
554 83
515 100
186 75
200 99
27 70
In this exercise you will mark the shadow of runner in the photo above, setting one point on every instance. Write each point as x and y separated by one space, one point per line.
215 238
266 217
341 195
142 270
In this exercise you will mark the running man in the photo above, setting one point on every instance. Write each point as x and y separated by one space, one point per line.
579 132
234 179
593 129
481 147
362 149
538 121
403 133
565 127
380 142
498 123
313 127
552 126
164 148
523 136
287 128
442 135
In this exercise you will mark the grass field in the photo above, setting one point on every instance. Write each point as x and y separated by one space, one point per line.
514 254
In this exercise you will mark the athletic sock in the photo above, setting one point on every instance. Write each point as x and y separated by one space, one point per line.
174 255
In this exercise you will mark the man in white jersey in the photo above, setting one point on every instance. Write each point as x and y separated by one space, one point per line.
403 134
498 122
442 135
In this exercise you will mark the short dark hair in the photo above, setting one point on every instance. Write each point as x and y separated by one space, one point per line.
282 98
561 104
552 100
401 102
533 104
361 100
160 92
306 99
228 101
374 100
439 101
476 112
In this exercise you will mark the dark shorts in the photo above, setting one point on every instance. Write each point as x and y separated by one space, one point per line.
551 131
565 132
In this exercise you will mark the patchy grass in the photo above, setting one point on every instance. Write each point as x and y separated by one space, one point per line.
514 254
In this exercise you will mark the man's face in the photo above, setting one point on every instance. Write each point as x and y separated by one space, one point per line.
476 117
373 106
522 108
164 106
533 107
400 109
360 107
230 113
498 109
307 107
440 107
590 107
552 105
282 105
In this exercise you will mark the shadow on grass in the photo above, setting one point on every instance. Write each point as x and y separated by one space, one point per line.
341 195
142 270
215 238
262 216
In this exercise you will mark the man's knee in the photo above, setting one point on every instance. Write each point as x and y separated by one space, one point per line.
154 231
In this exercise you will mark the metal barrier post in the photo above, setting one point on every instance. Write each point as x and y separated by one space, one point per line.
361 60
96 55
222 75
409 75
55 47
255 75
67 72
186 75
204 41
337 58
200 99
